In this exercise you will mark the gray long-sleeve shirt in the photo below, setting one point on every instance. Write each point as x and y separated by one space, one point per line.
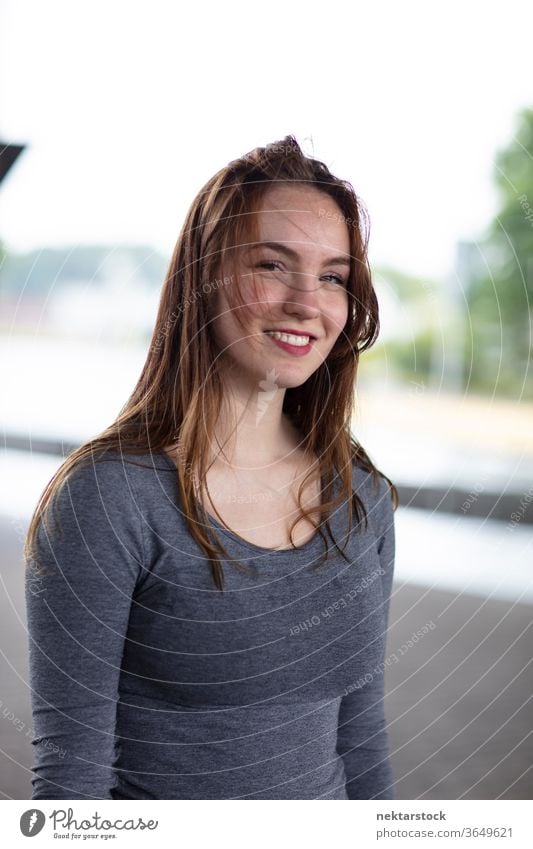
147 682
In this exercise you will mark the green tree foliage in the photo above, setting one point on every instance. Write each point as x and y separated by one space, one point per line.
500 299
410 353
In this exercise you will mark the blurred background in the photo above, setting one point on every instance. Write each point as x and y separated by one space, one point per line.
112 118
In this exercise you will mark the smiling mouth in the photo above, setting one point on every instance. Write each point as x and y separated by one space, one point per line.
290 338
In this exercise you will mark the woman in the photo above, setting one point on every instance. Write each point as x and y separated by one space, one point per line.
208 589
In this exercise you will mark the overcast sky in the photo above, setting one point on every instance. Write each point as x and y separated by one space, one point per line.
128 108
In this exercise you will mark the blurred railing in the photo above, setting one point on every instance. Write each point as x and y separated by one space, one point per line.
435 498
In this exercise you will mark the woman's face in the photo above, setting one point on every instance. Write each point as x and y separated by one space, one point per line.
302 262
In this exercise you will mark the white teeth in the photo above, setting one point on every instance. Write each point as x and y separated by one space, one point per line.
288 337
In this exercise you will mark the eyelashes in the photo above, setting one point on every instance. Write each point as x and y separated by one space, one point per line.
270 265
273 265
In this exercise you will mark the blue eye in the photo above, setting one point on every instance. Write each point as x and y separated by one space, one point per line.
274 265
336 279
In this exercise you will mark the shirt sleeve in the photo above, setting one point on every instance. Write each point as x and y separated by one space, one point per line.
78 593
362 738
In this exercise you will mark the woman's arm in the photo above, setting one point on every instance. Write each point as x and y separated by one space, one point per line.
362 738
77 621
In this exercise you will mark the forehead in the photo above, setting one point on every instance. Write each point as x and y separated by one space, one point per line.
301 214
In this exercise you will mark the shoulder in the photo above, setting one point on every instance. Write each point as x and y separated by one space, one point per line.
111 472
91 517
99 490
375 491
111 482
89 538
99 474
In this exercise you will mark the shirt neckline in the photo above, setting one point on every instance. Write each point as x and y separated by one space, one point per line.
302 549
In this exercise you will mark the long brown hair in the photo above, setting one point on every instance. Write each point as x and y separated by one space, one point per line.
182 382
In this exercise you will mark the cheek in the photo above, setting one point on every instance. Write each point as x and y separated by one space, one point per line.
231 321
336 314
255 298
220 319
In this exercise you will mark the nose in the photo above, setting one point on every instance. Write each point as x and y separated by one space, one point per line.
302 294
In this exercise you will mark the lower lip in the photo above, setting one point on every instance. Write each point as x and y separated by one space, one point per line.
295 350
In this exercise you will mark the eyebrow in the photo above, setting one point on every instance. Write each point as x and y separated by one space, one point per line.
279 246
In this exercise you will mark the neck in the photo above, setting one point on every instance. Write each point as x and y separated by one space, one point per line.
252 431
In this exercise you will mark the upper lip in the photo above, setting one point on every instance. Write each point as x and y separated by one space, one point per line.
293 332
